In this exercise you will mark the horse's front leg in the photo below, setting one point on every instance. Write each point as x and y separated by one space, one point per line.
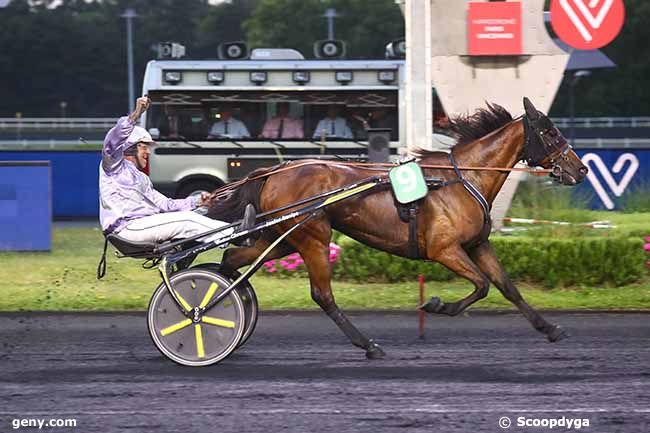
457 260
486 259
315 253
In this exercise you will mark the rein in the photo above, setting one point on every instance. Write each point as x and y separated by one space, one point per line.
373 167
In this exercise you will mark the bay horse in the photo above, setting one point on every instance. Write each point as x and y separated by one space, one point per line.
453 227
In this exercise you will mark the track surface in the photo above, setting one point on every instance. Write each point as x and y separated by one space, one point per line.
298 373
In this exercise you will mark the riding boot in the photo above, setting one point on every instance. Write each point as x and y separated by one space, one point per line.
247 222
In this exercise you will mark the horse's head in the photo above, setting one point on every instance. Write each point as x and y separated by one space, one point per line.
546 147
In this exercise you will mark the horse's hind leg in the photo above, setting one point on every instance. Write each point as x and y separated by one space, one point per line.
457 260
487 260
315 253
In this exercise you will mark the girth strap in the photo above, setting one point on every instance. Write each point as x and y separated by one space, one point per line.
413 246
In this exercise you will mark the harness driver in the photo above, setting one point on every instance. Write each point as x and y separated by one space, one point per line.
129 205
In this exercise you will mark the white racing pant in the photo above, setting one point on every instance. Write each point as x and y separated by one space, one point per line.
172 225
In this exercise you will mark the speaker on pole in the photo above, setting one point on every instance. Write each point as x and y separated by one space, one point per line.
396 49
233 50
329 49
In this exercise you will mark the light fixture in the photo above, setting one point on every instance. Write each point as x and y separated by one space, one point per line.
215 77
386 77
173 77
301 77
258 77
344 77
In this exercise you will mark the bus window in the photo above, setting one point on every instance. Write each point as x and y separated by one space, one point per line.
267 115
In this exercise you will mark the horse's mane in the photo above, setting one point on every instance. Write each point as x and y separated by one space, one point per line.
229 205
470 127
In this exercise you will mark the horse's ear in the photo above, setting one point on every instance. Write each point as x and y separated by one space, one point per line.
531 111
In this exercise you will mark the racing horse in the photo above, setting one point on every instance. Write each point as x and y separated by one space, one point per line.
453 225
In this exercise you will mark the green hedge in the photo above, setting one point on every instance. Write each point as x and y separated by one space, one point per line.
551 262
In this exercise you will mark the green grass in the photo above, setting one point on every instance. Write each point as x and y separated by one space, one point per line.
627 225
541 199
64 279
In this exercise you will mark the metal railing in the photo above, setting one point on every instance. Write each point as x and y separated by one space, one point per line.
603 122
26 133
108 122
48 123
48 144
611 143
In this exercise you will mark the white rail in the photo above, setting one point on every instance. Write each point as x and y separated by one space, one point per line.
31 123
45 144
108 122
603 122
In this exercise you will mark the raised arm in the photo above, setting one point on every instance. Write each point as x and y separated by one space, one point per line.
115 141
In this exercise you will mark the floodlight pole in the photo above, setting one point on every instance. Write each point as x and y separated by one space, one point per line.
330 14
129 14
572 103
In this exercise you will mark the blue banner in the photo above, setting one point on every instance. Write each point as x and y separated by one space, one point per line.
75 179
614 174
25 206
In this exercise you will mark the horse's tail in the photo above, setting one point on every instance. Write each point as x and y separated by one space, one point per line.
231 207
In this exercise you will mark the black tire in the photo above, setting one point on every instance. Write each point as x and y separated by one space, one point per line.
184 342
197 186
248 296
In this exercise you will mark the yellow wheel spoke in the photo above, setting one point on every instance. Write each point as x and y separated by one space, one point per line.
200 351
173 328
184 303
218 322
208 295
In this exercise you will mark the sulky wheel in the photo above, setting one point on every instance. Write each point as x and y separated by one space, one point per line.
248 296
207 341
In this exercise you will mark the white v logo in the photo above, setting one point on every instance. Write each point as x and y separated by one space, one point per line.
594 21
617 188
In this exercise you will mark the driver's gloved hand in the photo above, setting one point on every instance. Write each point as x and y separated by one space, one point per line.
201 210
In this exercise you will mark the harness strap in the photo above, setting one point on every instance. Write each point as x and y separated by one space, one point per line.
101 267
473 191
413 245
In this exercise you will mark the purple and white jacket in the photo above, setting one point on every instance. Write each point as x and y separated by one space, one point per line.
125 193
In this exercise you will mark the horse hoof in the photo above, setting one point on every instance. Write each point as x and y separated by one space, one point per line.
434 305
557 334
373 351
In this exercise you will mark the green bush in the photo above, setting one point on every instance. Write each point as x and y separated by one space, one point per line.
551 262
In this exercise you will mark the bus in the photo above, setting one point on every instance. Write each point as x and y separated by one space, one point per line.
217 120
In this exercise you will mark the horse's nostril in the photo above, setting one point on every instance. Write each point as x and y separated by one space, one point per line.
584 171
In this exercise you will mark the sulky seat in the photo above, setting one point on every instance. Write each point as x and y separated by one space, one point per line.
130 248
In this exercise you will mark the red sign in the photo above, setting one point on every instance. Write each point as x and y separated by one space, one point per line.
494 29
587 24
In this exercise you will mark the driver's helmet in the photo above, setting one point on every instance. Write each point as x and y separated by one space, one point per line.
138 135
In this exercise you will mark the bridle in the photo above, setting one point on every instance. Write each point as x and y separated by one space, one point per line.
545 145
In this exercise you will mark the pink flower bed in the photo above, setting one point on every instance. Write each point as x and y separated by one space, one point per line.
294 261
